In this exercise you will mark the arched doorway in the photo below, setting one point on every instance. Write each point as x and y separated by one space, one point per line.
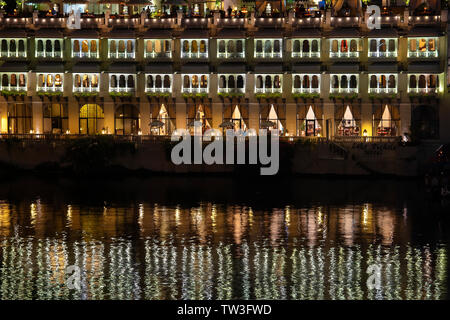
424 122
126 120
91 119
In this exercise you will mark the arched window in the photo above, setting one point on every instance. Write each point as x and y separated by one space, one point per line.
373 45
354 46
166 46
149 81
93 45
305 47
297 82
222 46
166 81
194 46
239 46
94 81
76 46
149 46
334 46
112 46
268 82
296 46
14 80
85 81
382 81
203 81
130 46
158 46
353 82
113 81
277 46
186 82
57 46
5 80
412 81
230 46
391 45
158 82
344 46
122 82
315 46
203 46
258 46
344 82
4 46
422 81
58 80
130 81
268 46
194 81
121 46
40 46
21 46
49 80
315 82
259 82
222 82
305 83
335 82
41 82
431 81
85 46
412 44
12 45
277 82
22 80
231 82
185 46
431 44
373 81
383 45
391 82
91 119
48 46
240 82
77 81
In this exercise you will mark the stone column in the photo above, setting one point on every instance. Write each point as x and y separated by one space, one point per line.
144 110
405 117
38 116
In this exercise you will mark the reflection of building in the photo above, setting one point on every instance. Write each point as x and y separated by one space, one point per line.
307 72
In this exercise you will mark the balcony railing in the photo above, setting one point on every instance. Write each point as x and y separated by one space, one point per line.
167 54
386 54
201 55
195 90
121 55
50 89
122 89
158 90
86 89
267 90
14 54
85 54
422 90
349 54
344 90
13 88
423 54
383 90
231 90
305 90
45 54
267 54
305 54
224 55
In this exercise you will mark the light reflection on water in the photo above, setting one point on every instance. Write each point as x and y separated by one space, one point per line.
212 251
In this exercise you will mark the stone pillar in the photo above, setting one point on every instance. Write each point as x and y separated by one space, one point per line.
253 116
217 114
74 116
179 18
291 118
109 109
38 116
328 114
366 119
4 116
144 110
181 115
405 117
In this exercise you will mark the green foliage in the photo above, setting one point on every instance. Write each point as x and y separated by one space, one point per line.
50 93
85 94
114 94
12 93
230 94
347 97
194 95
306 95
267 95
159 94
382 95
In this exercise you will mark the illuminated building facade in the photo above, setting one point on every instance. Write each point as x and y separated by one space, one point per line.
129 72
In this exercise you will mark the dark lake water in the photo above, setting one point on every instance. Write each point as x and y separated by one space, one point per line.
219 238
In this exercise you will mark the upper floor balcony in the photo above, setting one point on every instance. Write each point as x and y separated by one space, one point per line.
423 47
13 43
232 83
268 83
194 44
383 83
50 82
13 81
158 44
85 44
344 83
306 83
158 83
86 82
195 83
423 83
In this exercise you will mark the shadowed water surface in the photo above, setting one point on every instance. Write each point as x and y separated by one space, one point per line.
218 238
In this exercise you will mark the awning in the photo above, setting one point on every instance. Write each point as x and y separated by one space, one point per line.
48 33
269 68
383 33
14 67
199 68
162 68
50 67
269 33
13 33
383 67
88 67
231 68
344 33
231 33
158 34
306 68
85 33
122 68
121 34
424 32
306 33
344 68
425 67
195 34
